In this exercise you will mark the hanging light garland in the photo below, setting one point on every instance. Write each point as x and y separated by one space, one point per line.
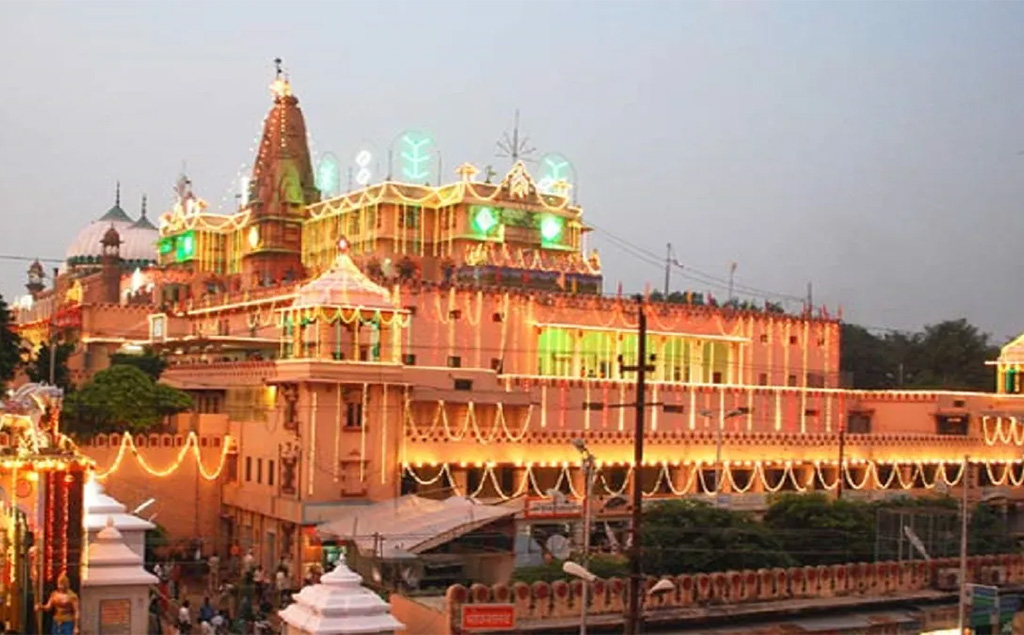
757 471
191 445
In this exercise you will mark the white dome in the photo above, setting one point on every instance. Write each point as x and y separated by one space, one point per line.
138 244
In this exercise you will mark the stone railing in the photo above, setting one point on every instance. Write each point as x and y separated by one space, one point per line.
561 599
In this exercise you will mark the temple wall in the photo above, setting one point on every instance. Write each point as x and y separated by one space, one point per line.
739 589
187 505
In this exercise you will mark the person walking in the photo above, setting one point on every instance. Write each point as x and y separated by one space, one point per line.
185 619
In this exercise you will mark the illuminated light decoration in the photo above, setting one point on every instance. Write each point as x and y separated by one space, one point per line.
254 237
363 160
555 169
243 189
166 244
551 228
185 246
191 445
695 482
415 154
485 219
328 176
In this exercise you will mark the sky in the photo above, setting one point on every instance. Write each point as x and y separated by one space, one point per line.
872 149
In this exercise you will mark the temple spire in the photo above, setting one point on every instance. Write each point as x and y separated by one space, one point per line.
117 194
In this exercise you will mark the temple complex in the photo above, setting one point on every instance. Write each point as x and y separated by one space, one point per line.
453 340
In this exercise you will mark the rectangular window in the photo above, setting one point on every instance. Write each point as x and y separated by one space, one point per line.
673 409
810 412
409 359
593 405
454 362
762 379
463 384
232 468
955 425
858 422
764 338
270 473
353 415
248 468
791 381
792 339
815 380
259 470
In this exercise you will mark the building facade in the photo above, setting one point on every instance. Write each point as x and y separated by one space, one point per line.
455 339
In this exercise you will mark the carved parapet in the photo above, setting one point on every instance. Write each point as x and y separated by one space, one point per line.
766 584
561 600
541 592
703 588
616 595
522 599
687 589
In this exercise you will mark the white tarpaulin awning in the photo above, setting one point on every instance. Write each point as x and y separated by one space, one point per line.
410 525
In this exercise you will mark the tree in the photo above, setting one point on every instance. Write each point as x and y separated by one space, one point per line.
121 398
10 346
688 536
815 529
864 357
38 368
148 362
952 355
949 355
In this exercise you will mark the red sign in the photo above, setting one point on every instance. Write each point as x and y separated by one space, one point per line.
488 617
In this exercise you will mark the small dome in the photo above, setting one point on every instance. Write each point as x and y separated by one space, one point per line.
138 244
111 238
343 285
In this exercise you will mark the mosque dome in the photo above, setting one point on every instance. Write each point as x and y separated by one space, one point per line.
138 238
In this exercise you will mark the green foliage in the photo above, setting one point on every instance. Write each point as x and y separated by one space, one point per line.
603 566
988 532
688 536
949 355
148 362
816 529
10 346
38 368
121 398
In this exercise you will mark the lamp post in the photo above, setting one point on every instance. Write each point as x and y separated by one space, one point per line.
660 587
588 474
708 414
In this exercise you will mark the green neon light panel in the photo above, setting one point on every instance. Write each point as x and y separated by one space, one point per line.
186 246
485 219
551 228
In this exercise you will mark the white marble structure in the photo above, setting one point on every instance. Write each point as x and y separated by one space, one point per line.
99 507
115 587
339 605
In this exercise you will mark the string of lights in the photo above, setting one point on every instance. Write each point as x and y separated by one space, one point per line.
740 475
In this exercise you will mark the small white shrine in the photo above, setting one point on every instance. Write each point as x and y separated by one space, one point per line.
115 587
99 507
339 605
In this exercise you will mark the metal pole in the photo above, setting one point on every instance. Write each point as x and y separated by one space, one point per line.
668 268
840 477
718 457
588 473
636 567
961 621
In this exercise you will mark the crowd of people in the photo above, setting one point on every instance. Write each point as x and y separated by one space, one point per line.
239 599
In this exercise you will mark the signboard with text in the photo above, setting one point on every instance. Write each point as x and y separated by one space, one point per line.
116 617
478 618
551 508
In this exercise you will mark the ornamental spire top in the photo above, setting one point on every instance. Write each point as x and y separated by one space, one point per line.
281 86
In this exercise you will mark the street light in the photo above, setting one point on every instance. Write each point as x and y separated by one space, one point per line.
660 587
707 414
571 567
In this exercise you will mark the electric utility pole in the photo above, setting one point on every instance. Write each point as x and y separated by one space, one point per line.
642 367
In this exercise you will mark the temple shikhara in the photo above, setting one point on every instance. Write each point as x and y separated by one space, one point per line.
408 340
